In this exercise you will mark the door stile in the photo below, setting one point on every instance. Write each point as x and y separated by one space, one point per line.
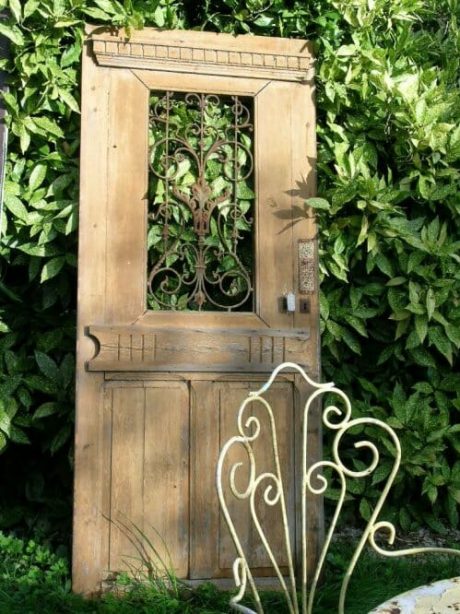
88 525
127 198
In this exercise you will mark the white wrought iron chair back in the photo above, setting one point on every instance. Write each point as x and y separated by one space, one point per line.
339 420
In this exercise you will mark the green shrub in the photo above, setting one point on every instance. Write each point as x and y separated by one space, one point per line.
389 149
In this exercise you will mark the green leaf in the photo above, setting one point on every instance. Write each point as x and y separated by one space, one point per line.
351 340
335 329
423 387
318 203
399 403
384 265
421 327
451 383
15 8
47 125
18 435
365 509
37 176
159 16
30 7
452 511
51 268
96 13
404 519
422 357
13 33
38 250
381 473
357 324
16 207
5 422
71 55
396 281
70 101
324 306
24 138
244 191
346 50
441 342
453 333
108 6
46 409
364 230
430 303
47 366
60 439
408 86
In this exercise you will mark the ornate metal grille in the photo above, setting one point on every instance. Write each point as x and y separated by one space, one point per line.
200 248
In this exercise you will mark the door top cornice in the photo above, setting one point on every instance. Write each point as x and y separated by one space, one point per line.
209 53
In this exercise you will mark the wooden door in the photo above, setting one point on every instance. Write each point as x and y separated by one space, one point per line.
161 368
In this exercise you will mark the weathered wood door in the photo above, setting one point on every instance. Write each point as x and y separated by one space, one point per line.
197 154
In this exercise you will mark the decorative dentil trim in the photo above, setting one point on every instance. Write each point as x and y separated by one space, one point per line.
203 54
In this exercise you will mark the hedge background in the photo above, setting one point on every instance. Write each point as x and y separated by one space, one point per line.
389 149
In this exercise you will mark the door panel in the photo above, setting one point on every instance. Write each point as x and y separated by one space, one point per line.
148 472
281 399
214 420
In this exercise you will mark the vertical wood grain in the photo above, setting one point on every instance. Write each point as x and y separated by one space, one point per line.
166 475
274 272
280 398
204 452
127 193
88 488
303 135
127 477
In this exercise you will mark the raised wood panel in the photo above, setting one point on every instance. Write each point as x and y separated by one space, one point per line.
214 407
281 399
130 348
205 53
204 451
166 474
148 476
126 477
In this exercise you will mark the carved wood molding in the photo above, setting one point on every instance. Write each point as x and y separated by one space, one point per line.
206 53
128 348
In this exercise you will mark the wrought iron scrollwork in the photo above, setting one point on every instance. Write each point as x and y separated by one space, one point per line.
201 162
315 480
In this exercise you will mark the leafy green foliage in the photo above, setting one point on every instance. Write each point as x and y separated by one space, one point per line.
32 576
389 218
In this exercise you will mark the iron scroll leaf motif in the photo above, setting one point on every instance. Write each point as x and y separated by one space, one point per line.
316 478
200 213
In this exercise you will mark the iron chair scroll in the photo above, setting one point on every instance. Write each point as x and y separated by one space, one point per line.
313 482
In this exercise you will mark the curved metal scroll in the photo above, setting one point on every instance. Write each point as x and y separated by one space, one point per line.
314 482
201 160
